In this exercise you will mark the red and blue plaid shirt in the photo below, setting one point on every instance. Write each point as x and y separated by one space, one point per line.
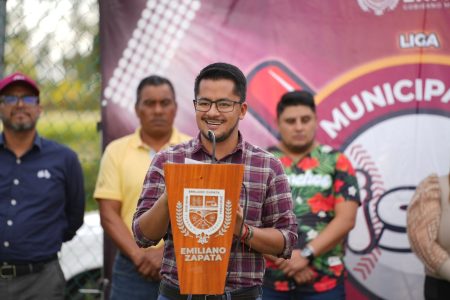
269 205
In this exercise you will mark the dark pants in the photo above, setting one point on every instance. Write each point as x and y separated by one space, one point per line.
337 293
127 282
170 292
436 289
46 284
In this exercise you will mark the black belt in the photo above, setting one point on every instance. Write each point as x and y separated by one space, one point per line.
173 293
8 271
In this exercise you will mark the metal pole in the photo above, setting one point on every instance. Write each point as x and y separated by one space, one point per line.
2 36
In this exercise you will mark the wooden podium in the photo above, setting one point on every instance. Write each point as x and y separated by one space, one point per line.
203 200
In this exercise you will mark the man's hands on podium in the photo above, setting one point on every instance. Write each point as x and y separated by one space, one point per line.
148 262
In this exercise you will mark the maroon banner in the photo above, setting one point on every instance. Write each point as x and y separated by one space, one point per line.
379 70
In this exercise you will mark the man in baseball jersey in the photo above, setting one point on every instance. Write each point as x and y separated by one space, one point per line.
326 198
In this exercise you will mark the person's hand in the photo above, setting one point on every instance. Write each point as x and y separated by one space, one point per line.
304 275
239 221
292 265
275 260
148 262
271 257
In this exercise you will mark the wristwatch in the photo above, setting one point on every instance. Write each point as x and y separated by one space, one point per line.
307 253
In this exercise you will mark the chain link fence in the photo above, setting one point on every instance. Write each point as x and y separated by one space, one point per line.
56 43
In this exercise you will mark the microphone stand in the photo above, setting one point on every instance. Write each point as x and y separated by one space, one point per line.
212 138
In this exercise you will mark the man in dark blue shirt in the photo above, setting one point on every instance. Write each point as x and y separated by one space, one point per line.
41 197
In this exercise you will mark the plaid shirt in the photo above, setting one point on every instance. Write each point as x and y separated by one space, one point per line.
269 205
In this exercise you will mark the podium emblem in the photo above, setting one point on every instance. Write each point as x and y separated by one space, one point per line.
203 213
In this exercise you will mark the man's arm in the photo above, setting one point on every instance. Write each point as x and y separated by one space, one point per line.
278 233
266 240
346 194
332 235
263 240
337 229
147 261
151 219
154 222
75 198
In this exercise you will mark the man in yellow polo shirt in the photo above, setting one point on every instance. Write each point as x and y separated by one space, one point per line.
122 170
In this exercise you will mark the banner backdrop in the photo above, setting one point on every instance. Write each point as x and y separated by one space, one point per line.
380 73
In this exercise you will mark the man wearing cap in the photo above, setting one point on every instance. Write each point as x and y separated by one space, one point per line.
41 197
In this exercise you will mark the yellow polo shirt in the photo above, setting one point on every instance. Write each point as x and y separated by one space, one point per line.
123 167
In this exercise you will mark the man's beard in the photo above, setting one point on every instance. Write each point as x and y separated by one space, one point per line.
224 136
21 127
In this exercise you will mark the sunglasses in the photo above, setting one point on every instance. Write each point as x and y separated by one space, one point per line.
14 100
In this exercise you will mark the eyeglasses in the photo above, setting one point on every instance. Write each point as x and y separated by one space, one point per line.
222 105
14 100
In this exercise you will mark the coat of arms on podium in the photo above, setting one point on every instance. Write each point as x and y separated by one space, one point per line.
203 213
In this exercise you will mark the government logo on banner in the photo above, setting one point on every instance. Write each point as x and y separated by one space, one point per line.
377 6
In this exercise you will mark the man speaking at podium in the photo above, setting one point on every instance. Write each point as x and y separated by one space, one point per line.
269 226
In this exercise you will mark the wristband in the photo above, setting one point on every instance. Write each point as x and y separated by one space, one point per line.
250 234
244 233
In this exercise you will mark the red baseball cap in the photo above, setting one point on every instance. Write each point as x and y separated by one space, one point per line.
18 77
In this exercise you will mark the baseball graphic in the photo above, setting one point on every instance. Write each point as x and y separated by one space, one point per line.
388 171
395 132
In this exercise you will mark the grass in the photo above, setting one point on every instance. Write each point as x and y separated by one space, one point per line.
78 130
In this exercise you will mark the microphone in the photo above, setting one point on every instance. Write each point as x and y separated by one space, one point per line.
212 138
